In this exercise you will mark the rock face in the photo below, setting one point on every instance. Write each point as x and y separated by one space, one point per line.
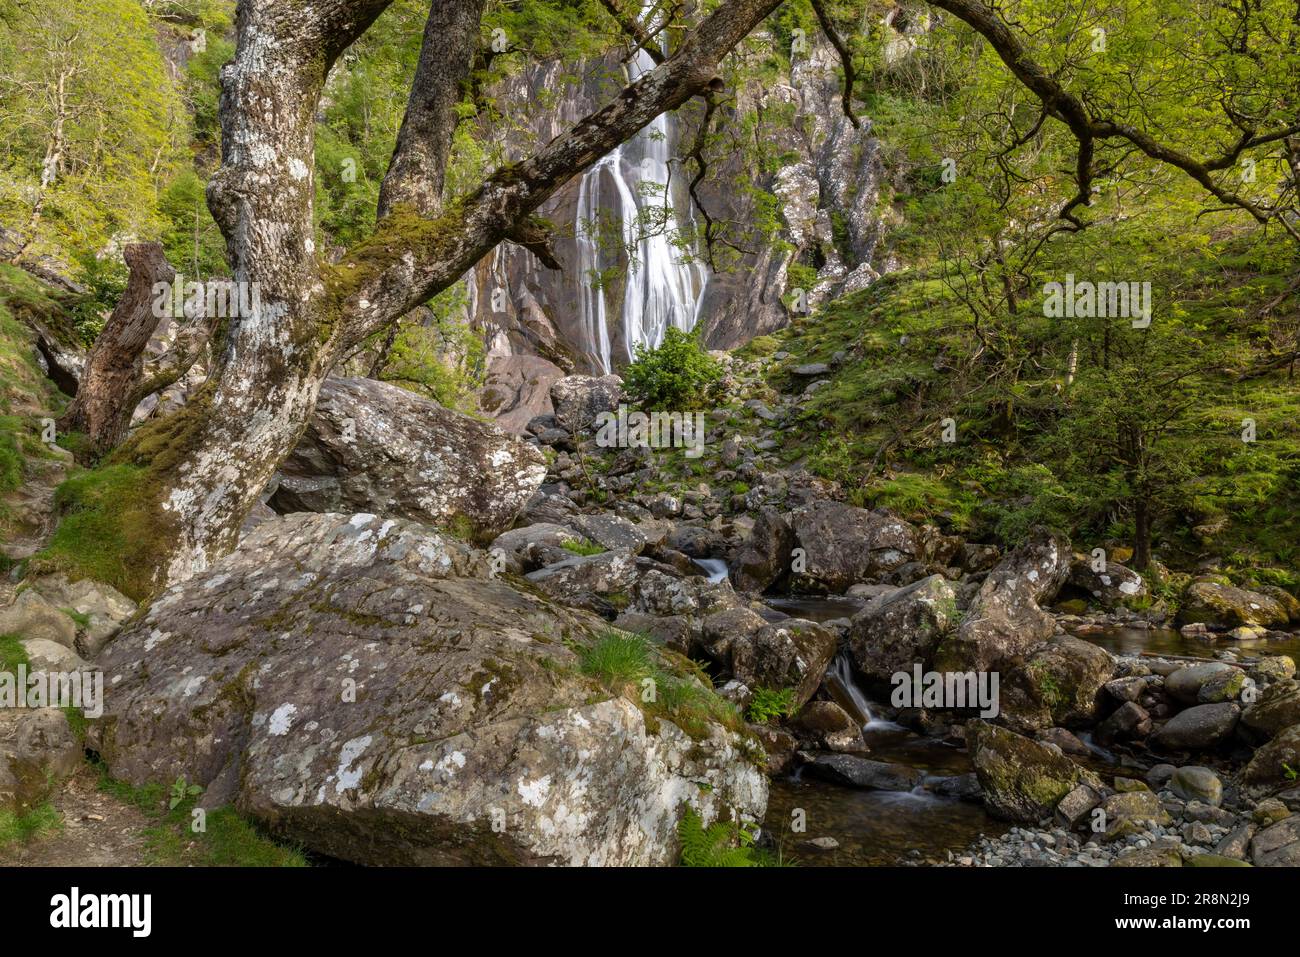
1270 763
1005 619
360 685
1022 780
374 447
787 654
1276 709
1223 605
844 545
518 388
903 628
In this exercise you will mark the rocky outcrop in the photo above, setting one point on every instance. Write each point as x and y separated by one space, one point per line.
764 560
362 686
1113 587
374 447
1004 618
787 654
518 389
579 399
1058 684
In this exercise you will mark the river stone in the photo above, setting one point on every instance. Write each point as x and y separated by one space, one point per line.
1278 845
1223 605
362 686
1130 720
1196 783
1004 618
1236 843
1269 764
1204 726
844 545
1075 807
721 628
1185 684
374 447
1113 588
1023 780
1270 668
1224 686
32 616
903 628
587 580
1277 707
1058 684
1131 812
1289 602
863 773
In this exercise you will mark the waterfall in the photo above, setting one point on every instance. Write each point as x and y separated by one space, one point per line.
844 689
661 290
715 568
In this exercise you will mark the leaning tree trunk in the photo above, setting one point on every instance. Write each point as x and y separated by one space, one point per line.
199 471
106 396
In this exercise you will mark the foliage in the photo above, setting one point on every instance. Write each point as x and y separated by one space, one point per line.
677 376
769 703
581 546
721 844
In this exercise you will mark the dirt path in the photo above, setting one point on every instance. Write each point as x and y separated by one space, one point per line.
97 830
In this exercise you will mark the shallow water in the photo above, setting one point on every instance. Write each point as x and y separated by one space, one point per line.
816 608
1168 641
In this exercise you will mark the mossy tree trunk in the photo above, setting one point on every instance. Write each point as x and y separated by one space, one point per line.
204 467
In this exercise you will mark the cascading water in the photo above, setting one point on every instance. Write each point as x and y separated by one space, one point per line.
662 289
844 689
715 568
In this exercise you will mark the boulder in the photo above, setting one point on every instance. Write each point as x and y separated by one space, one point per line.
1270 763
1202 727
579 399
1185 684
518 390
589 581
903 628
37 750
534 546
1115 587
764 560
1277 707
610 531
1004 618
722 628
1196 783
1058 684
791 653
1074 808
32 616
1277 845
1221 605
1290 604
658 593
373 447
103 605
843 545
1023 780
361 686
1130 812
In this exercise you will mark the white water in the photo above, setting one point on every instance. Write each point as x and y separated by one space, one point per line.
716 568
661 290
851 698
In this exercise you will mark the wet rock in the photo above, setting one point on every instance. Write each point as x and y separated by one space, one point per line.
1022 779
377 448
362 687
1004 618
1130 720
1224 686
1216 604
863 773
963 787
1149 857
903 628
1277 707
1202 727
1196 783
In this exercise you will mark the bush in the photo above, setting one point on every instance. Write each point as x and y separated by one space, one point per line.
678 376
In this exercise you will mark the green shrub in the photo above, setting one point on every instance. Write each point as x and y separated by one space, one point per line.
678 376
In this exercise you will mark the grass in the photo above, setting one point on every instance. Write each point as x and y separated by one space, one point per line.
82 619
24 826
581 546
228 840
12 653
663 684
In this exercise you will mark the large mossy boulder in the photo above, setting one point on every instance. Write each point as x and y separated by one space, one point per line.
902 629
1214 603
1058 684
1022 780
372 447
365 687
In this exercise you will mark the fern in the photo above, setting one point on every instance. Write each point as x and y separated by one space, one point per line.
721 844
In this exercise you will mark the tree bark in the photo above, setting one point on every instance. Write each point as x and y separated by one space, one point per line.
109 388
